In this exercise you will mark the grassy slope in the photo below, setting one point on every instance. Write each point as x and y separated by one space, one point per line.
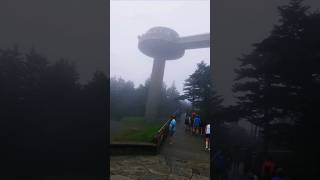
135 129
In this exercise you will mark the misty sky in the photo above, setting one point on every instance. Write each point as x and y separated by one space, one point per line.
72 29
132 18
236 26
77 30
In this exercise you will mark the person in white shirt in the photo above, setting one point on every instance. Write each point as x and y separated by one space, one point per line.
208 137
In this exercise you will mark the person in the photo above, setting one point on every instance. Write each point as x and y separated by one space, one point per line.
236 159
207 132
279 175
190 122
202 127
193 114
247 163
186 122
219 164
197 122
228 162
172 128
268 168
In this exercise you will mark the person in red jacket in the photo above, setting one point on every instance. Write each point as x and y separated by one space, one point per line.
268 167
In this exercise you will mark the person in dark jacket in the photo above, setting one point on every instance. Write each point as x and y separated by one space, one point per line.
219 166
186 122
279 175
247 161
236 159
268 167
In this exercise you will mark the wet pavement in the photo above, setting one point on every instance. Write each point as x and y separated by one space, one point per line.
187 148
186 158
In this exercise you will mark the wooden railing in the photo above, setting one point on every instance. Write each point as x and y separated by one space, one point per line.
142 148
161 134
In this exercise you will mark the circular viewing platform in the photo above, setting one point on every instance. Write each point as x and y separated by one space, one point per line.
161 43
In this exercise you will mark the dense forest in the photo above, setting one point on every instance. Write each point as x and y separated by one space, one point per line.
278 86
48 116
126 100
199 90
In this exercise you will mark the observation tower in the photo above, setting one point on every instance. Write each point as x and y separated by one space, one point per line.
162 44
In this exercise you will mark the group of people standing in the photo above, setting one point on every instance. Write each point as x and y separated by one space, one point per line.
197 126
227 166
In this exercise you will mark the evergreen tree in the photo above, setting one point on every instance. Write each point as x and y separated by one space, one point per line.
126 100
199 90
40 103
278 81
169 102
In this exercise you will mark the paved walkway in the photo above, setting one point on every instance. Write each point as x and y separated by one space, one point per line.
187 148
185 159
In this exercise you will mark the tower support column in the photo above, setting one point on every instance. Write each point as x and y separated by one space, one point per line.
154 94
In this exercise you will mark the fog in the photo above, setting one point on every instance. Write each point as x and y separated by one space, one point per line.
128 19
236 26
72 29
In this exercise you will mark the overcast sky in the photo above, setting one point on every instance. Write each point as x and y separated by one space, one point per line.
72 29
236 26
77 30
132 18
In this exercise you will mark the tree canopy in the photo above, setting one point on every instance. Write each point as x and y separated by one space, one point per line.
278 82
199 90
46 113
127 100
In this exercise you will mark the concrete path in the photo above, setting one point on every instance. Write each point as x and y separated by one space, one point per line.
185 159
187 148
185 145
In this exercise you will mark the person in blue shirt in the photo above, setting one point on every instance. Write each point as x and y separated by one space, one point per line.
197 122
172 128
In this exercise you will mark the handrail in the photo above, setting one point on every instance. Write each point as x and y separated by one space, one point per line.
165 124
161 134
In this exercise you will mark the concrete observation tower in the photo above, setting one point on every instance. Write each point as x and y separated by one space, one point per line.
162 44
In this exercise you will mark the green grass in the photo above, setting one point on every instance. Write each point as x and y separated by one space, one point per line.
135 129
